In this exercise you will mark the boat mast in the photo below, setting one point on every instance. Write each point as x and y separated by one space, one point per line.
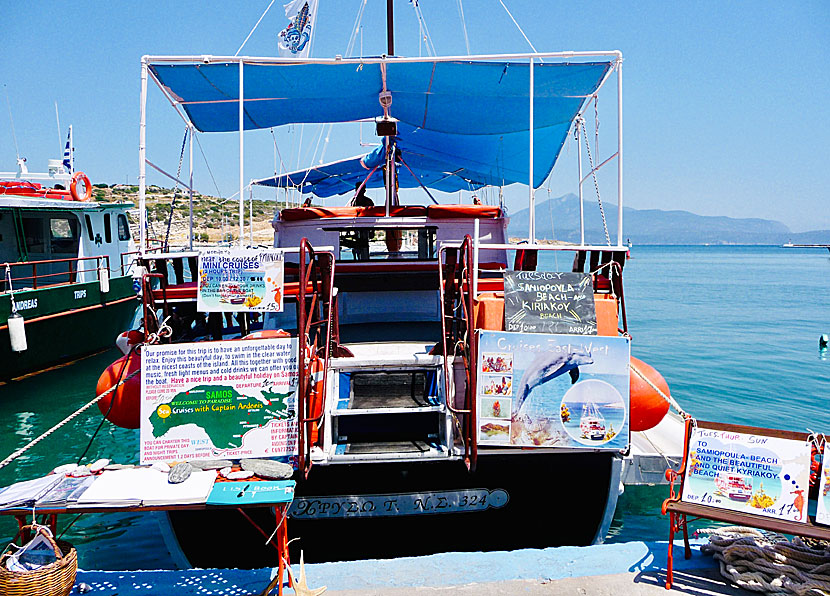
390 29
390 146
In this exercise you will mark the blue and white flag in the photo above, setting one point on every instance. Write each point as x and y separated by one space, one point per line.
67 153
295 40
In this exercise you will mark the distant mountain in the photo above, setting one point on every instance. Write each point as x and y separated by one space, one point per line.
653 226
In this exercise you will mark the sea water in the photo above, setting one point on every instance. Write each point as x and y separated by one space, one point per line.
734 330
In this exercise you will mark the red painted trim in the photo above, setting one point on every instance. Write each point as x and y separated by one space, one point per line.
73 311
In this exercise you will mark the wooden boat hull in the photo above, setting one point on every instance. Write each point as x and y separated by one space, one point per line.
552 499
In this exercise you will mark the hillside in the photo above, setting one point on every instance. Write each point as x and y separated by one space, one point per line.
653 226
214 219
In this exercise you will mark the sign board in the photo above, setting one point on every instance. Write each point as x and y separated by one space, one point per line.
537 390
549 302
238 279
823 505
748 473
223 400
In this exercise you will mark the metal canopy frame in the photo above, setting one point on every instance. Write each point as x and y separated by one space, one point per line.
146 60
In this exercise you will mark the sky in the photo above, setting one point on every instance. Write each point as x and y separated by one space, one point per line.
725 103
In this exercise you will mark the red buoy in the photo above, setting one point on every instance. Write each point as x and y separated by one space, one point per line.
126 340
267 334
648 407
126 399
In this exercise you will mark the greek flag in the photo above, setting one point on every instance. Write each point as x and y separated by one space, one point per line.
67 153
294 40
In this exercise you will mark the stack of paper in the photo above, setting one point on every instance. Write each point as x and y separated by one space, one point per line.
67 491
147 486
24 494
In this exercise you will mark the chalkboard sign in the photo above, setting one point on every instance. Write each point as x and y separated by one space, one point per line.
549 302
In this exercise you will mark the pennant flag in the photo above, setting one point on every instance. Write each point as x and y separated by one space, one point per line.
67 153
294 40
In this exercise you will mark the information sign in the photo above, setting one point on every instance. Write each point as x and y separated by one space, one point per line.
224 400
748 473
539 390
549 302
823 505
234 280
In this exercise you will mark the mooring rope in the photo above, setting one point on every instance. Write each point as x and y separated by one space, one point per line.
768 562
74 414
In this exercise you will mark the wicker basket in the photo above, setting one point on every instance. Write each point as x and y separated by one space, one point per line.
54 579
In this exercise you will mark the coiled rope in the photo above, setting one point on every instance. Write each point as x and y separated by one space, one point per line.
63 422
768 562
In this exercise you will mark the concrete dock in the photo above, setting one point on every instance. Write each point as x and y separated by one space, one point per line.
633 568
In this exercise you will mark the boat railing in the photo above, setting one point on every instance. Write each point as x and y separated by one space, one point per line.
75 267
603 262
318 339
457 328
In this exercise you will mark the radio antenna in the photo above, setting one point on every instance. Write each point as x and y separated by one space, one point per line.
14 136
58 118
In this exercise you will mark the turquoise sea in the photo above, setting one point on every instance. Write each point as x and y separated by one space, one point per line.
733 329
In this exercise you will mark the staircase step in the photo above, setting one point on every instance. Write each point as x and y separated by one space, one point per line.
389 450
384 411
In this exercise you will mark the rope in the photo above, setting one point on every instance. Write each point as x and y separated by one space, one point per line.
63 422
768 562
175 190
668 398
581 122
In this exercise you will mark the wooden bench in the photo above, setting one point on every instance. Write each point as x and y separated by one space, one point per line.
680 511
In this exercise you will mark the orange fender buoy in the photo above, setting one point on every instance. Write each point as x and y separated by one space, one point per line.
126 399
267 334
73 187
126 340
648 407
315 405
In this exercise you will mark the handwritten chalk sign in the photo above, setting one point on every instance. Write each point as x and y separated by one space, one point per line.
549 302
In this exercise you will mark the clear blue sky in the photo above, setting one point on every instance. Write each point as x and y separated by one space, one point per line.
726 109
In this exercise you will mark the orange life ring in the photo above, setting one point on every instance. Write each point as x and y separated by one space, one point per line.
73 187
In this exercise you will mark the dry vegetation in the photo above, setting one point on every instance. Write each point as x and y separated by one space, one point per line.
209 214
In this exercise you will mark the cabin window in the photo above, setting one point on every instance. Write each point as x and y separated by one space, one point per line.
123 228
63 235
107 228
387 244
34 234
89 231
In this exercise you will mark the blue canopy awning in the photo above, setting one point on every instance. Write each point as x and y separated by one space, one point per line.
466 117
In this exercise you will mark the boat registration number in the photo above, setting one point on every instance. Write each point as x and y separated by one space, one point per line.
451 501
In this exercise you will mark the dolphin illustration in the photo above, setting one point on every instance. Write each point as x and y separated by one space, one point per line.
548 366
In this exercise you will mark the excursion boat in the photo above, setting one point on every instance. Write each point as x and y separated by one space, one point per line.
592 424
66 264
399 312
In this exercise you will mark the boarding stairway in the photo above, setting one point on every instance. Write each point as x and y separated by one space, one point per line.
393 402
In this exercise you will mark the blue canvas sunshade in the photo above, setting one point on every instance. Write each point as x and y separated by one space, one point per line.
466 117
340 177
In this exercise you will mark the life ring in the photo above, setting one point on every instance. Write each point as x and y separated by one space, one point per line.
73 187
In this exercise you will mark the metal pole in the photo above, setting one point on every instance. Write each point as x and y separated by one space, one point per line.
192 132
581 200
241 153
142 154
389 174
531 227
476 234
390 29
619 155
251 209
